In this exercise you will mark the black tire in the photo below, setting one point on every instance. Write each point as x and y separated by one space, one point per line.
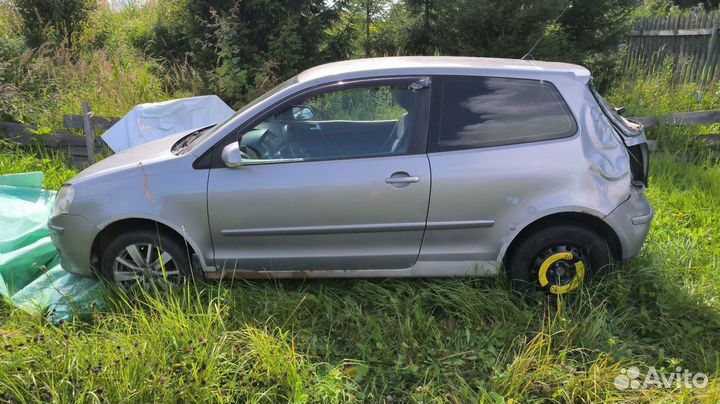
142 238
546 251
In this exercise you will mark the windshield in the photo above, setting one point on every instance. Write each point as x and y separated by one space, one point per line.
618 121
285 84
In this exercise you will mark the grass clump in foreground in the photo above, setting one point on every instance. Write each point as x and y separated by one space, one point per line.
14 160
443 340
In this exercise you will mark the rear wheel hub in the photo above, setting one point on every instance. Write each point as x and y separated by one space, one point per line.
560 269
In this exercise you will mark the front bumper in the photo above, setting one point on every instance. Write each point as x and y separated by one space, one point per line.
73 236
631 221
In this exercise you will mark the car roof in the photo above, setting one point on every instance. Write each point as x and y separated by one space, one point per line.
436 65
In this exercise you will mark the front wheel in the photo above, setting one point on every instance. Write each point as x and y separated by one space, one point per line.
559 258
145 259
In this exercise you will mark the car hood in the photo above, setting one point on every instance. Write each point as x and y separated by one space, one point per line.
151 152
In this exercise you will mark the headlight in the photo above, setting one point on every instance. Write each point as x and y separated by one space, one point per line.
63 200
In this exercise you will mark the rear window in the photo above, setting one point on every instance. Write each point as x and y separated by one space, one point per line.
491 111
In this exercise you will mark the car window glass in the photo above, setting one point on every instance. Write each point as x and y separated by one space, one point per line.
211 131
349 123
489 111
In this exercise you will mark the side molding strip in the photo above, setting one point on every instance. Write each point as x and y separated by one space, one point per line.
356 228
459 224
350 228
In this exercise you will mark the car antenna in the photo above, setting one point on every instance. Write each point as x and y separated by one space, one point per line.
528 55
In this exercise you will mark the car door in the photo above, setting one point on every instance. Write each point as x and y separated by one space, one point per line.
494 145
297 203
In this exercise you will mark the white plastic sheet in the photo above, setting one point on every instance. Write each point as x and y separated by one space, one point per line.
148 122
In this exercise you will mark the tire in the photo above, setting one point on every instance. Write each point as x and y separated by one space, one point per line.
558 259
120 264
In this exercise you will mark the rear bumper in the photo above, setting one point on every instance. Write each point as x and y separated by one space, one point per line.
73 236
631 222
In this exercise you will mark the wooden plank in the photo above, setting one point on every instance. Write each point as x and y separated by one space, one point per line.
11 129
89 131
62 140
698 51
671 33
678 54
99 122
712 141
683 55
688 118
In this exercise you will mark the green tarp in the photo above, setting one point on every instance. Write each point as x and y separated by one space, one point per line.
30 273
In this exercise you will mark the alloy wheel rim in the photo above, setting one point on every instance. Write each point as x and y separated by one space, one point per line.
144 265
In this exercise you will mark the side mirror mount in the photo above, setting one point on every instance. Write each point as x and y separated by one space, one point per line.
232 156
620 111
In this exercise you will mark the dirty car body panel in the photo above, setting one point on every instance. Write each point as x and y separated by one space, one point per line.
453 211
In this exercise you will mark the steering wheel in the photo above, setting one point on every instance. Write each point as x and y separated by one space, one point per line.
290 151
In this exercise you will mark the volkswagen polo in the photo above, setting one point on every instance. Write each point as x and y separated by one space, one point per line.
386 167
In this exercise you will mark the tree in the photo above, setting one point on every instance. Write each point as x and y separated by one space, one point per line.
371 9
52 20
422 34
253 45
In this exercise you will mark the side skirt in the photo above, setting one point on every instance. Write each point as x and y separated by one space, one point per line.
422 269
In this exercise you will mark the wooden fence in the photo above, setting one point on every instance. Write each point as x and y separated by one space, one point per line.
689 41
81 149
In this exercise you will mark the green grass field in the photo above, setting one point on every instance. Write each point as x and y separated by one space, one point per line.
391 341
454 340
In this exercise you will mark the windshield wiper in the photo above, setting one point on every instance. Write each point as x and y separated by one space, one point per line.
187 140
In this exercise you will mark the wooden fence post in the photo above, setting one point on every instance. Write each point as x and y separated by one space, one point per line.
89 131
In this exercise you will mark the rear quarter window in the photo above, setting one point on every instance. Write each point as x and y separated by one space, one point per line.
491 111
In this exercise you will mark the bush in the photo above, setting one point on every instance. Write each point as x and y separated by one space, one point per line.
52 20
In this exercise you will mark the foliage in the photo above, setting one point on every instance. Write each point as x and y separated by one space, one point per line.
52 20
51 83
14 160
245 48
237 49
358 104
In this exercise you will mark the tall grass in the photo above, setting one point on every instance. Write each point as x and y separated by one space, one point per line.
461 340
54 165
104 68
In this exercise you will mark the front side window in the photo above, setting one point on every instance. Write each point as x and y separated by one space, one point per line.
491 111
349 123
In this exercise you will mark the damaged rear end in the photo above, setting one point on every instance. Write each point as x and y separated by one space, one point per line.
633 136
631 220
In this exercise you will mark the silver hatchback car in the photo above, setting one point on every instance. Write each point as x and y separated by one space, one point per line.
387 167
